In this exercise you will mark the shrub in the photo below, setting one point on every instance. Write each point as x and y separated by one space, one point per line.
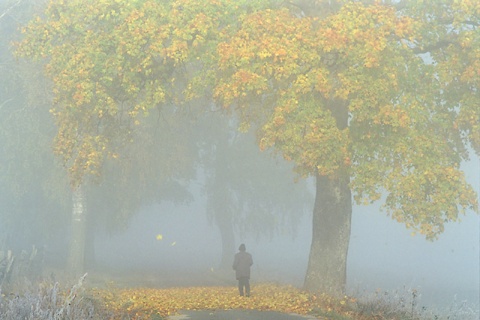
48 302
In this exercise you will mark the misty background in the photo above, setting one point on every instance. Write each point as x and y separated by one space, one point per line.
177 235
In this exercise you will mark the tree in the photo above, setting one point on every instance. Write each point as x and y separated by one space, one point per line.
32 188
110 64
372 99
156 166
349 97
97 97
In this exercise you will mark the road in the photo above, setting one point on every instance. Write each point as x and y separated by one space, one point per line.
236 315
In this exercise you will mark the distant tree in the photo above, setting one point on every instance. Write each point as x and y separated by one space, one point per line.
155 166
32 184
248 193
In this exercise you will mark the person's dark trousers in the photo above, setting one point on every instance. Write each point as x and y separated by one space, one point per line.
244 283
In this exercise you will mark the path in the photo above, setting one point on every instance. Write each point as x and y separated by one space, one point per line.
236 315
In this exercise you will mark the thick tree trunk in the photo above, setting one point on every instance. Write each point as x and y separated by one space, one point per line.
76 261
326 272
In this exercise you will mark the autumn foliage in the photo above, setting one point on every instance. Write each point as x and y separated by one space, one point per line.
380 96
142 303
347 91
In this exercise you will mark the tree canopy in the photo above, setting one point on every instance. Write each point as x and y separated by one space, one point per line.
111 62
404 132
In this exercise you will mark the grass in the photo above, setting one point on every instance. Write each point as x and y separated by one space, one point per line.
47 301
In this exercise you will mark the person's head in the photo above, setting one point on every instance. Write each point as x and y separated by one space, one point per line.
242 247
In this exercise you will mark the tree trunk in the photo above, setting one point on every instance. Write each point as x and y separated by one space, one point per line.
327 264
224 221
90 233
76 261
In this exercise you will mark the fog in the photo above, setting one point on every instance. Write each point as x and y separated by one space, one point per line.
178 243
383 256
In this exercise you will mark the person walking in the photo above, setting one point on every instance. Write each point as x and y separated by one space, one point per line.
241 264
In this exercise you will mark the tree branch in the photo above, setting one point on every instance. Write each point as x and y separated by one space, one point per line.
439 45
9 9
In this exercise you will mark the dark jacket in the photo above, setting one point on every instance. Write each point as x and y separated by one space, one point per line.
241 264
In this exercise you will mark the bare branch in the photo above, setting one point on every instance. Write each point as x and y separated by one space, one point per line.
9 9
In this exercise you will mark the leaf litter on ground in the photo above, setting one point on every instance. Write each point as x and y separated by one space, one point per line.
145 303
